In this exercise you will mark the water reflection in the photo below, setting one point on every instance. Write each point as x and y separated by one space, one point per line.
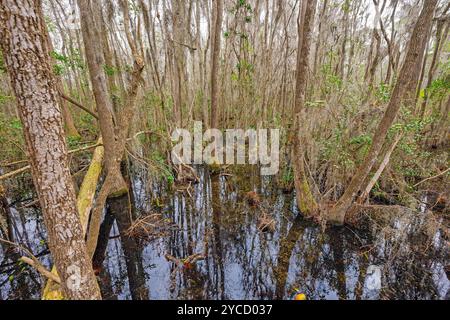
240 262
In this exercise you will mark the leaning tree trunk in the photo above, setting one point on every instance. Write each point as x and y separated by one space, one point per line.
27 60
95 60
305 198
403 94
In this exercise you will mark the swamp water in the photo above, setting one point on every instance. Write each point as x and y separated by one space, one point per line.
213 220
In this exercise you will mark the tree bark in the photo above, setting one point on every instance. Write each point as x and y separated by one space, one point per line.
95 60
114 133
305 198
215 56
24 46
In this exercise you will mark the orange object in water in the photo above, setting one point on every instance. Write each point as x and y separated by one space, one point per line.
300 296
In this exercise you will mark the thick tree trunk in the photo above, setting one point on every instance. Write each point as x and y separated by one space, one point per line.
403 93
85 200
305 198
27 59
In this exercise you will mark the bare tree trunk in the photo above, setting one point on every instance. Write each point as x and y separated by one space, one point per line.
27 58
70 128
114 133
179 57
68 119
440 35
95 60
317 51
443 130
403 93
305 198
215 56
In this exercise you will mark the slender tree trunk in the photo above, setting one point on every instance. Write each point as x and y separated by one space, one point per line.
27 59
403 93
215 56
95 60
71 130
317 52
179 57
433 66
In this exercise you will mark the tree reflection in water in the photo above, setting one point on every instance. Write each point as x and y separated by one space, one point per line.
241 262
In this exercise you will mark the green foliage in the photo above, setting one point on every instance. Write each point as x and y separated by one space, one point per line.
383 93
87 124
162 168
440 87
362 140
411 155
336 151
244 66
15 124
58 69
73 61
73 141
346 6
242 4
110 70
4 98
331 81
287 175
243 11
152 99
315 104
410 123
11 138
50 24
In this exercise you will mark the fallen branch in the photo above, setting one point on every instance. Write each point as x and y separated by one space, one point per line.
183 44
14 173
433 177
11 164
41 269
75 103
26 168
33 261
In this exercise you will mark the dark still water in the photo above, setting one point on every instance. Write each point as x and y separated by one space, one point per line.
205 242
